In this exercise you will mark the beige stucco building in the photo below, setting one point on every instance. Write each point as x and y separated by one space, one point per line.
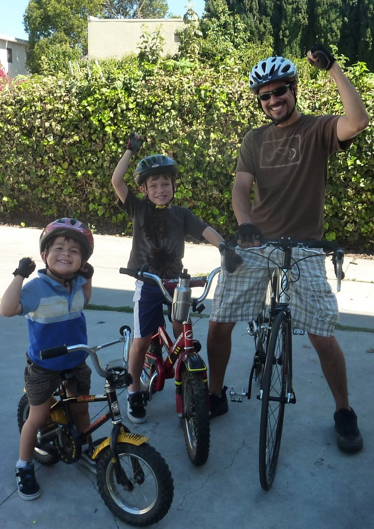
114 38
13 55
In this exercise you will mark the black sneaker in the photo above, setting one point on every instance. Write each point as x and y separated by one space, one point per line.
218 405
348 435
28 487
135 407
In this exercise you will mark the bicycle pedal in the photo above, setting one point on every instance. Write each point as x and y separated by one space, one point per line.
237 396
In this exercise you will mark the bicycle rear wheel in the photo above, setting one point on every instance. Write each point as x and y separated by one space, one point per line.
44 454
274 388
195 420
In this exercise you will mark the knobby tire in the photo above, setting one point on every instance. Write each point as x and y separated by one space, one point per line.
40 455
153 491
195 420
274 385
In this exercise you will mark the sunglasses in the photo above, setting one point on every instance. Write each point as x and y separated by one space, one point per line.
280 91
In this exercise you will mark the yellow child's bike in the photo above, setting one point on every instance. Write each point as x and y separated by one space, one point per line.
133 478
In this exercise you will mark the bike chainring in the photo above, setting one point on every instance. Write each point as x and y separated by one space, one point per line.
67 445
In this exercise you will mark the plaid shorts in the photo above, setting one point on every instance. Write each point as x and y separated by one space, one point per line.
41 383
239 296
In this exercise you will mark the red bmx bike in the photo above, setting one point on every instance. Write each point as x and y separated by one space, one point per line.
181 360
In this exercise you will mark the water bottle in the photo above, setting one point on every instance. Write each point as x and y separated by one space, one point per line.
182 298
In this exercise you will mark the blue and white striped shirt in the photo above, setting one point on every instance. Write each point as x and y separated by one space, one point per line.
54 317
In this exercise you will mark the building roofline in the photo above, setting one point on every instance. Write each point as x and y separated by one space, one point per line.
13 39
134 20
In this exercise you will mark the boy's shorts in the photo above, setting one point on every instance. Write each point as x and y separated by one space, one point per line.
239 296
148 309
42 383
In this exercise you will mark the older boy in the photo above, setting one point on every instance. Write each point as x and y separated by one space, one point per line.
159 231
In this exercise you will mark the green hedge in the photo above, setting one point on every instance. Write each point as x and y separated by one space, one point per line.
62 137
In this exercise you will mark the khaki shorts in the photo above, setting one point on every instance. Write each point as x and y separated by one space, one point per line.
42 383
239 296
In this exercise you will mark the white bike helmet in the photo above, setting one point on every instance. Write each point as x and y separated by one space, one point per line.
270 70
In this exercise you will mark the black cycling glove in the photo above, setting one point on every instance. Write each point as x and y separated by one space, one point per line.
324 58
133 144
248 233
26 266
87 271
230 259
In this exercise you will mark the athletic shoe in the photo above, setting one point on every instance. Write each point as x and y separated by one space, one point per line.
218 405
348 435
135 407
28 487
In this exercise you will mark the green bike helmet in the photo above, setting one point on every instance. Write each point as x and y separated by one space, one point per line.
154 165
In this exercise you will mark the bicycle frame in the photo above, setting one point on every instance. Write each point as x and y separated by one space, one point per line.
119 431
180 352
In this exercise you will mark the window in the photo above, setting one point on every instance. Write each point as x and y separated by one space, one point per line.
10 55
177 37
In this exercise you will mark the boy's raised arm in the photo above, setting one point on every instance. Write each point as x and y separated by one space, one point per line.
133 145
118 176
10 302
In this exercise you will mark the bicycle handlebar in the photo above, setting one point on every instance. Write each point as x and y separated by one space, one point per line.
53 352
194 282
326 246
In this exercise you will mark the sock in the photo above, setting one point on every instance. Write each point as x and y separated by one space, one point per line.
21 463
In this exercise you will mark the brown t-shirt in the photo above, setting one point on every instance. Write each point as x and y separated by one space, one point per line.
289 165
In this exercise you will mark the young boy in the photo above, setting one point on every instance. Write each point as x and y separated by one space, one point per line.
159 231
53 304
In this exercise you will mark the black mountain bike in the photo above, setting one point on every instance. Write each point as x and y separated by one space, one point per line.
133 478
272 332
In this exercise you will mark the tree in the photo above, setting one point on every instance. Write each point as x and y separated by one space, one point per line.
365 42
289 22
52 24
295 25
135 8
257 15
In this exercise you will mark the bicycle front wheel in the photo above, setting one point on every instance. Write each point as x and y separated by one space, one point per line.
195 420
150 495
263 323
273 389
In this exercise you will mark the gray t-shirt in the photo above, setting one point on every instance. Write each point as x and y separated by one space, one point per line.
159 235
290 169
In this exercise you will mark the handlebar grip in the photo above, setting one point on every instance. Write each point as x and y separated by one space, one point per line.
53 352
130 272
323 245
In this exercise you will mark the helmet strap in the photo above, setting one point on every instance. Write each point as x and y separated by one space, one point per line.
67 280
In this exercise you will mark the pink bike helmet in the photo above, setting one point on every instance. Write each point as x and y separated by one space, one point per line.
68 227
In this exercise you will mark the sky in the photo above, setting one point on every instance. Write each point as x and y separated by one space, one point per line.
12 11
